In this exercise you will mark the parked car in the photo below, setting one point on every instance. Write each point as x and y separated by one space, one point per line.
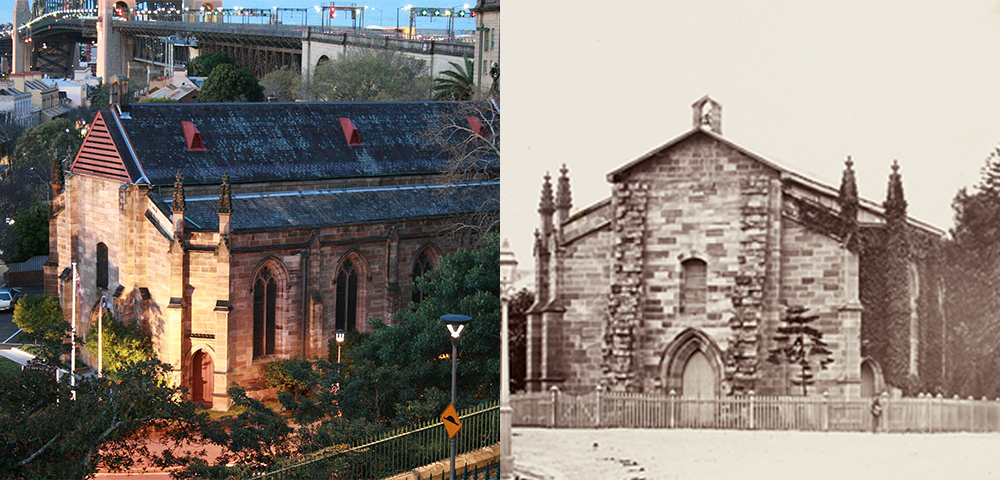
9 297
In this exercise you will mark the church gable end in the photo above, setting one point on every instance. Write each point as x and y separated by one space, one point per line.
99 155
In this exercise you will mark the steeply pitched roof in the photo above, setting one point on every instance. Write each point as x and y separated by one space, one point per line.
322 208
786 174
257 142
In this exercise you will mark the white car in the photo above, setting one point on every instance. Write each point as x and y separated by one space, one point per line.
8 297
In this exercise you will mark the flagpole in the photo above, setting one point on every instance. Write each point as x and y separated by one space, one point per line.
72 361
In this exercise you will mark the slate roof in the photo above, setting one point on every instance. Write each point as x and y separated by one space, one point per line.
321 208
258 142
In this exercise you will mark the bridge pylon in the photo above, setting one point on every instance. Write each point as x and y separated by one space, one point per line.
109 46
21 50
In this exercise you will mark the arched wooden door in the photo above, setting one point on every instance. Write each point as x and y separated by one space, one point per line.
201 377
699 390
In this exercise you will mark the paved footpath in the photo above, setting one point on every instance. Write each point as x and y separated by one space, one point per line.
646 454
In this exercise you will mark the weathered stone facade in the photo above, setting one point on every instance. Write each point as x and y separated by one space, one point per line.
698 251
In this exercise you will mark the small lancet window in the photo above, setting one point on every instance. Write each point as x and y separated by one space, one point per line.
476 126
193 137
351 132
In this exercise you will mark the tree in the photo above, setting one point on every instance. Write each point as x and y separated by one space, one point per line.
158 100
124 343
364 75
800 342
41 319
229 83
203 65
457 83
47 434
32 228
284 84
518 318
41 145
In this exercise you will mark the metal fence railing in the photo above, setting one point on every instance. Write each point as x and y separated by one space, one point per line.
397 452
753 412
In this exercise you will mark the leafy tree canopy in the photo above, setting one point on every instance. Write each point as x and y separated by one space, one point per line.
32 228
229 83
203 65
39 146
47 434
158 100
41 318
284 84
458 83
372 76
124 343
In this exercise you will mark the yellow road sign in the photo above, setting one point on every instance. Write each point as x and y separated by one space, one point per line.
451 421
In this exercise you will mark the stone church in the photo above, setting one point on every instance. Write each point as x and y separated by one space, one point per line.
238 234
680 279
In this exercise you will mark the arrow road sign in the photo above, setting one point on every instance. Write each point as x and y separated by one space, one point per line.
451 421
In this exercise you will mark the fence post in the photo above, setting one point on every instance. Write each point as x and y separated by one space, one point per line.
826 411
671 399
597 413
753 419
555 402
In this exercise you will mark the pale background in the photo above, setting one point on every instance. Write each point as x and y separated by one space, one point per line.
805 84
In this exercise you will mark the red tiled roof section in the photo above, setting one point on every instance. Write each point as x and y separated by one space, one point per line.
351 133
193 137
98 155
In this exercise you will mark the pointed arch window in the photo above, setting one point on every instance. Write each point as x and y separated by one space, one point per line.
265 296
102 266
694 288
347 297
423 264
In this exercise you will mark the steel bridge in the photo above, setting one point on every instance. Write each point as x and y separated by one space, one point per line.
59 28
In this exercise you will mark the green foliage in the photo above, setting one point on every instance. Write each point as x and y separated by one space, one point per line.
124 344
32 227
41 145
284 84
457 83
293 376
9 367
799 343
229 83
204 65
158 100
371 76
46 434
101 97
41 318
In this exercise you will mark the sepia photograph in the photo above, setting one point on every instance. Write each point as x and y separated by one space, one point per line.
753 239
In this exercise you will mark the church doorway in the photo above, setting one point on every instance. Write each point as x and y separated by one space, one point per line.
871 378
698 388
692 369
201 378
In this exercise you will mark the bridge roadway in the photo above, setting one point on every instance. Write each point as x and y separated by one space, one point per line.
259 48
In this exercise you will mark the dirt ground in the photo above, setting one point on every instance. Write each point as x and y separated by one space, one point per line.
634 454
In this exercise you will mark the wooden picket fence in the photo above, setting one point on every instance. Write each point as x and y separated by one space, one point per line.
752 412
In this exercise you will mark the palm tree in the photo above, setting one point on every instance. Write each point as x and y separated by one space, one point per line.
455 84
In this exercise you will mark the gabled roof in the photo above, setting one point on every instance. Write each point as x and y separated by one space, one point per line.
101 152
259 142
786 174
336 207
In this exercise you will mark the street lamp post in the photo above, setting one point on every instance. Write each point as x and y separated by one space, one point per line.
339 335
105 304
508 267
407 8
455 323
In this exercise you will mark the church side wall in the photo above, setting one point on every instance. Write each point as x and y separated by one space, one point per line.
813 276
585 296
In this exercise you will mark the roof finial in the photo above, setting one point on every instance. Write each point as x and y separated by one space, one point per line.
178 203
848 198
546 206
225 196
564 200
57 177
895 203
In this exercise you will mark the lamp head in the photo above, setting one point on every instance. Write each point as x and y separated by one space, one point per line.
340 335
456 323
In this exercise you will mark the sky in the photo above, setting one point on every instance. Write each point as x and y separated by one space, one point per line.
385 13
804 84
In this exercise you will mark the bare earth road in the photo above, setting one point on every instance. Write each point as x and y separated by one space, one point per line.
633 454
